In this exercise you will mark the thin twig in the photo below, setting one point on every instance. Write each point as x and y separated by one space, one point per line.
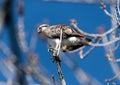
33 41
118 9
103 6
21 34
108 14
36 71
53 78
113 78
106 43
85 54
96 35
6 50
57 61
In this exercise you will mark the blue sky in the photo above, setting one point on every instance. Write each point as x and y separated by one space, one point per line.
89 17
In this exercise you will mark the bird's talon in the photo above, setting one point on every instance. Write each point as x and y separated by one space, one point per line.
50 50
53 51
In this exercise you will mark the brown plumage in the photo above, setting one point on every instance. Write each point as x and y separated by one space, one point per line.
54 31
72 39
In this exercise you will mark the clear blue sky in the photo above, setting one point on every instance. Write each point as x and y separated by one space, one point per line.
89 17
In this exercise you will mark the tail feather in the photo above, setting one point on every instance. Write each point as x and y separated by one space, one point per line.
85 41
89 40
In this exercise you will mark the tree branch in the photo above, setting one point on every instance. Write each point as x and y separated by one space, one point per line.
57 61
96 35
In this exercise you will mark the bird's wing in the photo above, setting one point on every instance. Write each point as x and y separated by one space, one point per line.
74 32
67 31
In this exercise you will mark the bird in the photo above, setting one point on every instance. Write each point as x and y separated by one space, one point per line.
72 39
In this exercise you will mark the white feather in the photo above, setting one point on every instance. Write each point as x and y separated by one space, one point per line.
54 43
44 28
72 39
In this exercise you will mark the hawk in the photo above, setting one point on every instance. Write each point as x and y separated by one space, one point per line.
72 39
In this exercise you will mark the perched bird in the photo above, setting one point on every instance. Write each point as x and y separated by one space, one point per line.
72 39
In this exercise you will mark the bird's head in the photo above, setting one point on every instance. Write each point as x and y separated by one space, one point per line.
42 27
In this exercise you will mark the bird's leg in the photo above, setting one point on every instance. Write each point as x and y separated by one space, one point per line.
59 46
55 49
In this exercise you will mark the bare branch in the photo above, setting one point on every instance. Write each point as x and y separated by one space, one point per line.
53 78
105 44
118 5
4 48
103 6
83 55
33 41
57 61
97 35
21 35
113 78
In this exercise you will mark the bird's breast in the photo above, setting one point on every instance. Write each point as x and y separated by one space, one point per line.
53 42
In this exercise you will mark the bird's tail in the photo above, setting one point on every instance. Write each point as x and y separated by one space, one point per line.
86 41
89 40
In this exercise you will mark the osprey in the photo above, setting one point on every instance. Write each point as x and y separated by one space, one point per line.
72 39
